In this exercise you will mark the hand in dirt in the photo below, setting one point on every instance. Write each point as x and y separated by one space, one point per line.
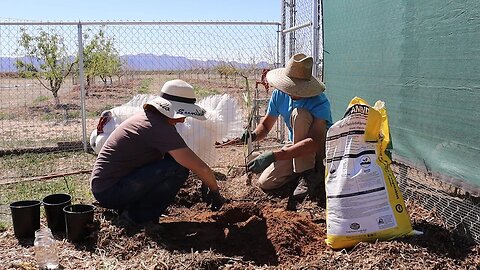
260 163
212 198
217 200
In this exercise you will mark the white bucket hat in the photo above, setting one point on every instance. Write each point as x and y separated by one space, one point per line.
296 77
177 100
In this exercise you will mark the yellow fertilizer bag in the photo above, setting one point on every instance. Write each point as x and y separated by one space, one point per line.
364 202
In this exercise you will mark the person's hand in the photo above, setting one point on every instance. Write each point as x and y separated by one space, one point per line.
260 163
246 135
212 198
215 199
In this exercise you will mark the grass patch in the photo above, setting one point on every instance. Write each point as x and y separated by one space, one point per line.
73 114
48 116
77 186
6 116
99 112
203 92
91 114
36 164
145 86
3 226
40 99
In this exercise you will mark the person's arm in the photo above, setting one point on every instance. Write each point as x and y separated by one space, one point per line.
315 142
188 159
264 127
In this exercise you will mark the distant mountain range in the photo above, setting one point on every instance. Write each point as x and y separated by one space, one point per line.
147 62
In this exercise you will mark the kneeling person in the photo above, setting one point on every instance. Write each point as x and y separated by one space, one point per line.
144 162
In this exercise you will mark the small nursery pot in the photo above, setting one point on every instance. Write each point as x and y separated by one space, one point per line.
78 220
25 217
54 205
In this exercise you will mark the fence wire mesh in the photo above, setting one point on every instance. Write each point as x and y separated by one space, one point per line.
25 119
302 24
120 60
297 13
459 210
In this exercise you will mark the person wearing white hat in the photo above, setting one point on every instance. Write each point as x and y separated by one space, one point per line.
298 97
144 162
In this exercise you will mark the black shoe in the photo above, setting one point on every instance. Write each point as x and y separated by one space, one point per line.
310 183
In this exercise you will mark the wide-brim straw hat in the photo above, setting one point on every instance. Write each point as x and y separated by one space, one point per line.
296 77
177 100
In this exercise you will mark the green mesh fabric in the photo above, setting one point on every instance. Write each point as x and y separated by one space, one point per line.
423 59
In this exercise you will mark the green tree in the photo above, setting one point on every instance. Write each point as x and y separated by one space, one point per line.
46 60
88 62
101 58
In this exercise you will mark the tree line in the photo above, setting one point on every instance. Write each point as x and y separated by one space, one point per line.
47 59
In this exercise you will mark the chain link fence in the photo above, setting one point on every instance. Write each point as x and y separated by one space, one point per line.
41 102
459 210
301 29
26 117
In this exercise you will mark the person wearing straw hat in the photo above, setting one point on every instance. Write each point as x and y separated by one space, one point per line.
144 162
298 97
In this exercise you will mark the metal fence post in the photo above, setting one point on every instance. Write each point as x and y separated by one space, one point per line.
293 12
82 86
315 37
323 41
282 35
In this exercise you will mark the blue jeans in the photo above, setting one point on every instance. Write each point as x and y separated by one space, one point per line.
146 192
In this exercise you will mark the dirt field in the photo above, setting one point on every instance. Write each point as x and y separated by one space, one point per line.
28 117
253 230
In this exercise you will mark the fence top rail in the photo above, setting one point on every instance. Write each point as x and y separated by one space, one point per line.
139 23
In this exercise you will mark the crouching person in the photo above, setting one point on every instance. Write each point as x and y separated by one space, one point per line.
144 162
298 97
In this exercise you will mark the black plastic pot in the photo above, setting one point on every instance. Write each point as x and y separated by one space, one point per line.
54 205
79 221
26 218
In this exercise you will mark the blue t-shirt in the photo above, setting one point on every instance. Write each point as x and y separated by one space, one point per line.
282 104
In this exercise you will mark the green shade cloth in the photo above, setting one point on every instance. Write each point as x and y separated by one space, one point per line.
423 59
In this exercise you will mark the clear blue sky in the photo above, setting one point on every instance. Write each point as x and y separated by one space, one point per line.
140 10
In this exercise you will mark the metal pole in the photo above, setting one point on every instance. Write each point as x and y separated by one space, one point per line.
323 42
82 87
282 35
295 28
143 23
291 49
315 37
